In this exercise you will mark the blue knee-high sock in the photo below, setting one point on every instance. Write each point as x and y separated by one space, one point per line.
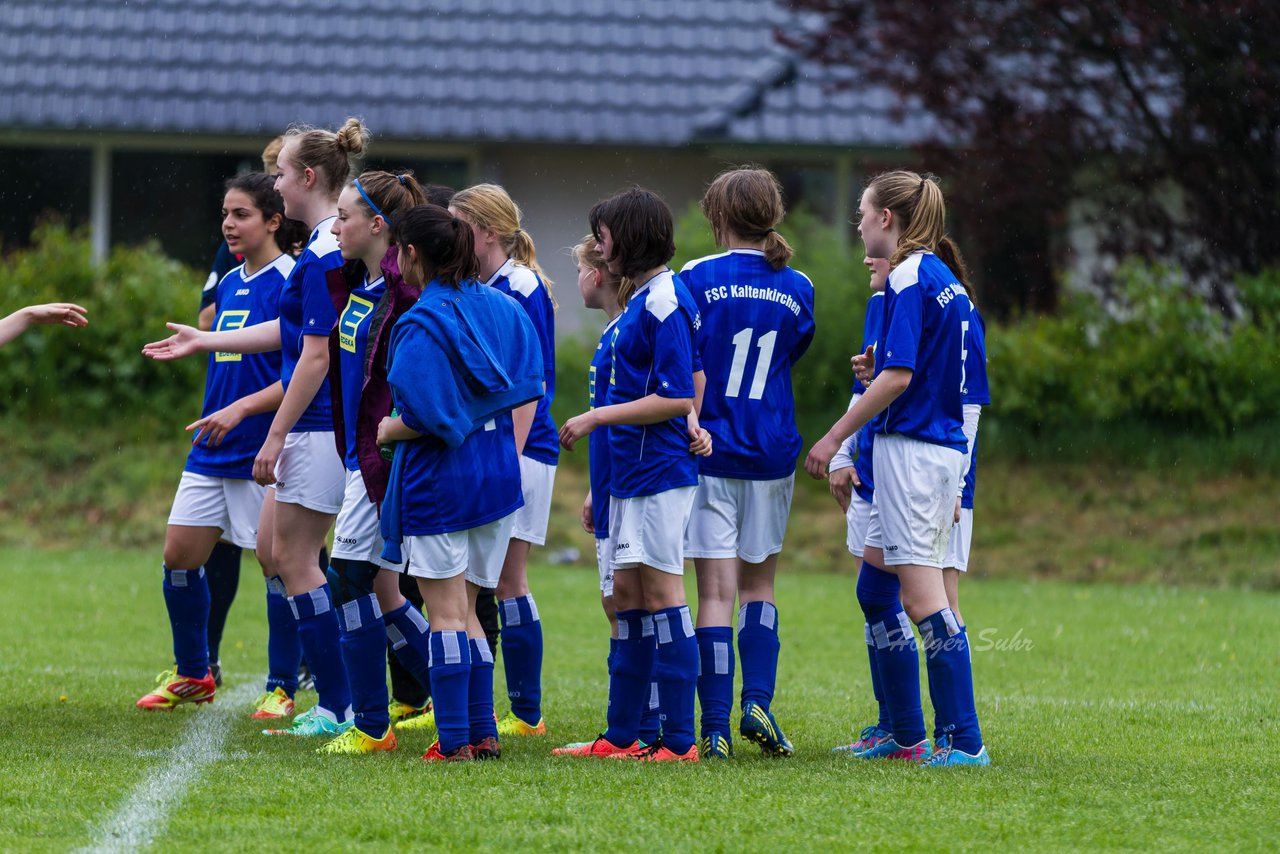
651 720
409 634
896 654
677 676
946 652
758 647
284 649
364 651
480 692
715 678
186 596
222 571
629 680
319 633
450 686
884 723
522 656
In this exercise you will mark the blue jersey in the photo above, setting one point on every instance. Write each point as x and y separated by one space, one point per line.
353 333
975 391
454 489
866 439
242 301
756 324
653 353
522 284
306 309
925 309
598 376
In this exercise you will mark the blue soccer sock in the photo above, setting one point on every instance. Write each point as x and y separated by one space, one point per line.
409 634
364 651
222 572
630 677
946 650
884 722
284 649
677 676
450 687
186 596
651 719
715 679
521 641
480 693
758 647
897 657
319 633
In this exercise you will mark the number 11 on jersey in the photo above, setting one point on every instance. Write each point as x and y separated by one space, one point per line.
741 349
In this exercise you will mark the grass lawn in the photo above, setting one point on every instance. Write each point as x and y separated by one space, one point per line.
1117 717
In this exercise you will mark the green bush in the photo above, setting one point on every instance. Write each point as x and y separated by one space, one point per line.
97 374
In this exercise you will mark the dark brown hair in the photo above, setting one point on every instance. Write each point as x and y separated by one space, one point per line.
261 190
391 192
438 194
748 202
643 233
444 244
327 152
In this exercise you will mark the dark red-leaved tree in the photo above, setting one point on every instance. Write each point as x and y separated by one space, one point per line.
1165 117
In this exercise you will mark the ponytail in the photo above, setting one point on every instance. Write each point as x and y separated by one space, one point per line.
490 208
389 192
328 153
748 202
916 201
443 243
949 253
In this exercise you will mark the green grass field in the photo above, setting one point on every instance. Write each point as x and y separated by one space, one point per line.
1133 717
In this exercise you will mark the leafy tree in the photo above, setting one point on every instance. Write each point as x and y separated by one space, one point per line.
1165 116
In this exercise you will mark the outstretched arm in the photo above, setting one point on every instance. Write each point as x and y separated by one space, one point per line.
187 340
64 313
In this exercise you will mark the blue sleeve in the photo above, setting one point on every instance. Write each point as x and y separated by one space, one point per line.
904 314
673 362
318 314
808 325
540 313
976 389
870 333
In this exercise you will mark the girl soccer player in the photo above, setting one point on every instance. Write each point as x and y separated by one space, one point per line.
459 362
374 296
649 411
298 455
919 463
757 316
62 313
508 262
217 497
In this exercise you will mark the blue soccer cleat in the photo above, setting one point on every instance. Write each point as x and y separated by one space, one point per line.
948 756
713 745
890 749
871 736
758 725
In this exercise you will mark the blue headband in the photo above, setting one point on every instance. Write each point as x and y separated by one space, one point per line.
368 201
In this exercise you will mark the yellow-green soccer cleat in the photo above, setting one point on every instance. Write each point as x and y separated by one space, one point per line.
271 705
425 722
353 742
173 690
512 725
403 711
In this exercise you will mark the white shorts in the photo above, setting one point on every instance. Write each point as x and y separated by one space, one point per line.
357 535
476 553
914 506
536 482
228 503
310 473
649 529
604 548
746 519
856 518
961 540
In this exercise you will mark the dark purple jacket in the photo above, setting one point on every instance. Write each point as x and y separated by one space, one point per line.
375 396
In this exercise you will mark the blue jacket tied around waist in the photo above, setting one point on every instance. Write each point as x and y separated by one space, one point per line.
459 358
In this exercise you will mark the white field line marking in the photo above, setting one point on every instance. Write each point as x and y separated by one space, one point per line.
136 823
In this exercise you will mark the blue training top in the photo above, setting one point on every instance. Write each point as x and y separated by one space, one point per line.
242 301
525 287
598 378
866 438
975 391
353 335
653 353
307 309
756 324
924 311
